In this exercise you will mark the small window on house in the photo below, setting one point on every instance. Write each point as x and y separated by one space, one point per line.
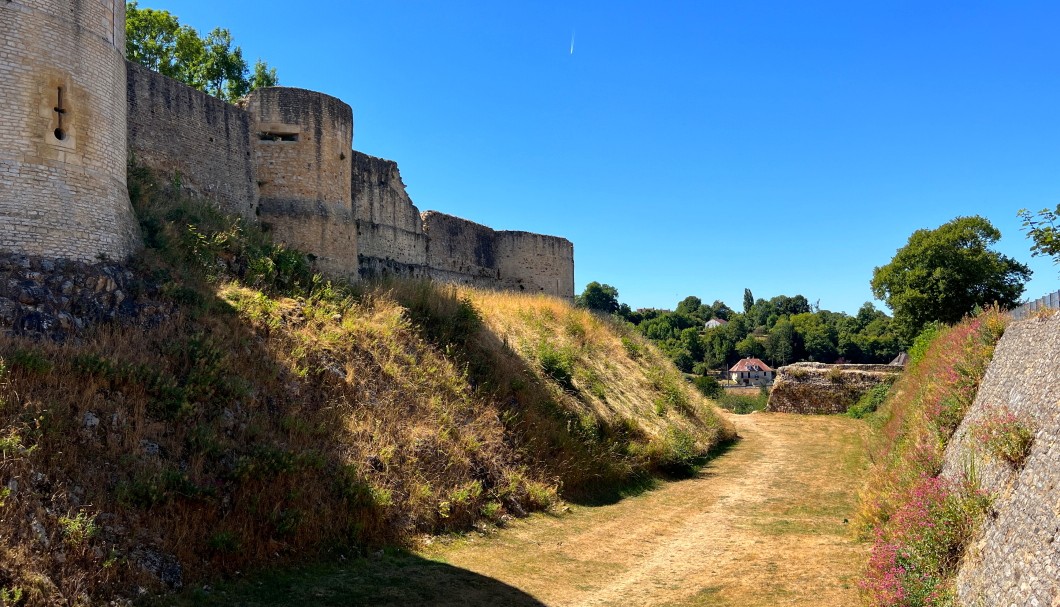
276 136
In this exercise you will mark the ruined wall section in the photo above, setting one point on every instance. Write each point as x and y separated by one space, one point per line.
187 136
815 388
535 263
1016 560
302 148
460 251
390 238
62 130
464 252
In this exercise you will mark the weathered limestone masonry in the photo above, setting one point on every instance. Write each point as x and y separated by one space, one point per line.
73 107
468 253
390 238
1016 561
191 137
820 388
535 263
302 151
285 158
62 130
394 239
460 251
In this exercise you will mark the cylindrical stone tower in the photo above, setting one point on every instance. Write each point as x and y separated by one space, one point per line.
62 130
303 146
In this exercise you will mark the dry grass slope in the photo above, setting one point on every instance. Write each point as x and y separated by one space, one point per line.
279 418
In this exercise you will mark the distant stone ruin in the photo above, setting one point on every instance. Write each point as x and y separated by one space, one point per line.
821 388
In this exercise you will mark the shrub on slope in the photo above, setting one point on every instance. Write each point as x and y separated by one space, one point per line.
277 417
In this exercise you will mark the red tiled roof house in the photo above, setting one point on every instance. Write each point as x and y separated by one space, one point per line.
751 372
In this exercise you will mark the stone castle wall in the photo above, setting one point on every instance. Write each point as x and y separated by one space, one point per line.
62 130
302 146
74 111
815 388
460 251
189 136
390 238
535 263
1016 560
465 252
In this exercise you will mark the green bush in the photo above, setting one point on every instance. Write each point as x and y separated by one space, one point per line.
679 454
1004 435
869 401
922 341
32 361
742 404
557 363
79 529
633 349
708 386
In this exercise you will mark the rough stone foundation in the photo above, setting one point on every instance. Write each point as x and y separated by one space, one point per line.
821 388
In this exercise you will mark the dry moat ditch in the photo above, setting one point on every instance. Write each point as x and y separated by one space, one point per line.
763 524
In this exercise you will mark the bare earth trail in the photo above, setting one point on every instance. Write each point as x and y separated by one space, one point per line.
763 524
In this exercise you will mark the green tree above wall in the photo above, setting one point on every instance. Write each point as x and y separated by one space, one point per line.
945 273
155 39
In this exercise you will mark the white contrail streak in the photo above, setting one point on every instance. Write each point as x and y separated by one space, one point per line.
572 42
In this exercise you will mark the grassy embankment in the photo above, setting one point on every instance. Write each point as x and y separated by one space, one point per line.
921 523
277 418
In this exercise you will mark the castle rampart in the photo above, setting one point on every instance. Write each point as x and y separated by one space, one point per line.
390 238
195 139
465 252
302 151
62 130
1014 559
75 111
460 251
811 387
535 263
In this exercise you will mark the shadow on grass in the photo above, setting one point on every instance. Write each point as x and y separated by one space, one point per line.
646 481
397 578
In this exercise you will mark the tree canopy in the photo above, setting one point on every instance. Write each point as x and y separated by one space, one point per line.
157 40
780 330
1042 230
599 297
945 273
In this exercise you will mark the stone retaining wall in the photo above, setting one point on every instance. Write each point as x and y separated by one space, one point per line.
1016 560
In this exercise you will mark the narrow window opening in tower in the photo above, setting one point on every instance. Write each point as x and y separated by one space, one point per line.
60 109
273 136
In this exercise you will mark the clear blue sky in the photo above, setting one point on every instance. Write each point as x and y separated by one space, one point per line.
693 148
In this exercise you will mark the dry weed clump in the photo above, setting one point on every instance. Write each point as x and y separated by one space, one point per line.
279 417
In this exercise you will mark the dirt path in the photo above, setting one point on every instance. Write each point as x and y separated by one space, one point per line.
762 525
